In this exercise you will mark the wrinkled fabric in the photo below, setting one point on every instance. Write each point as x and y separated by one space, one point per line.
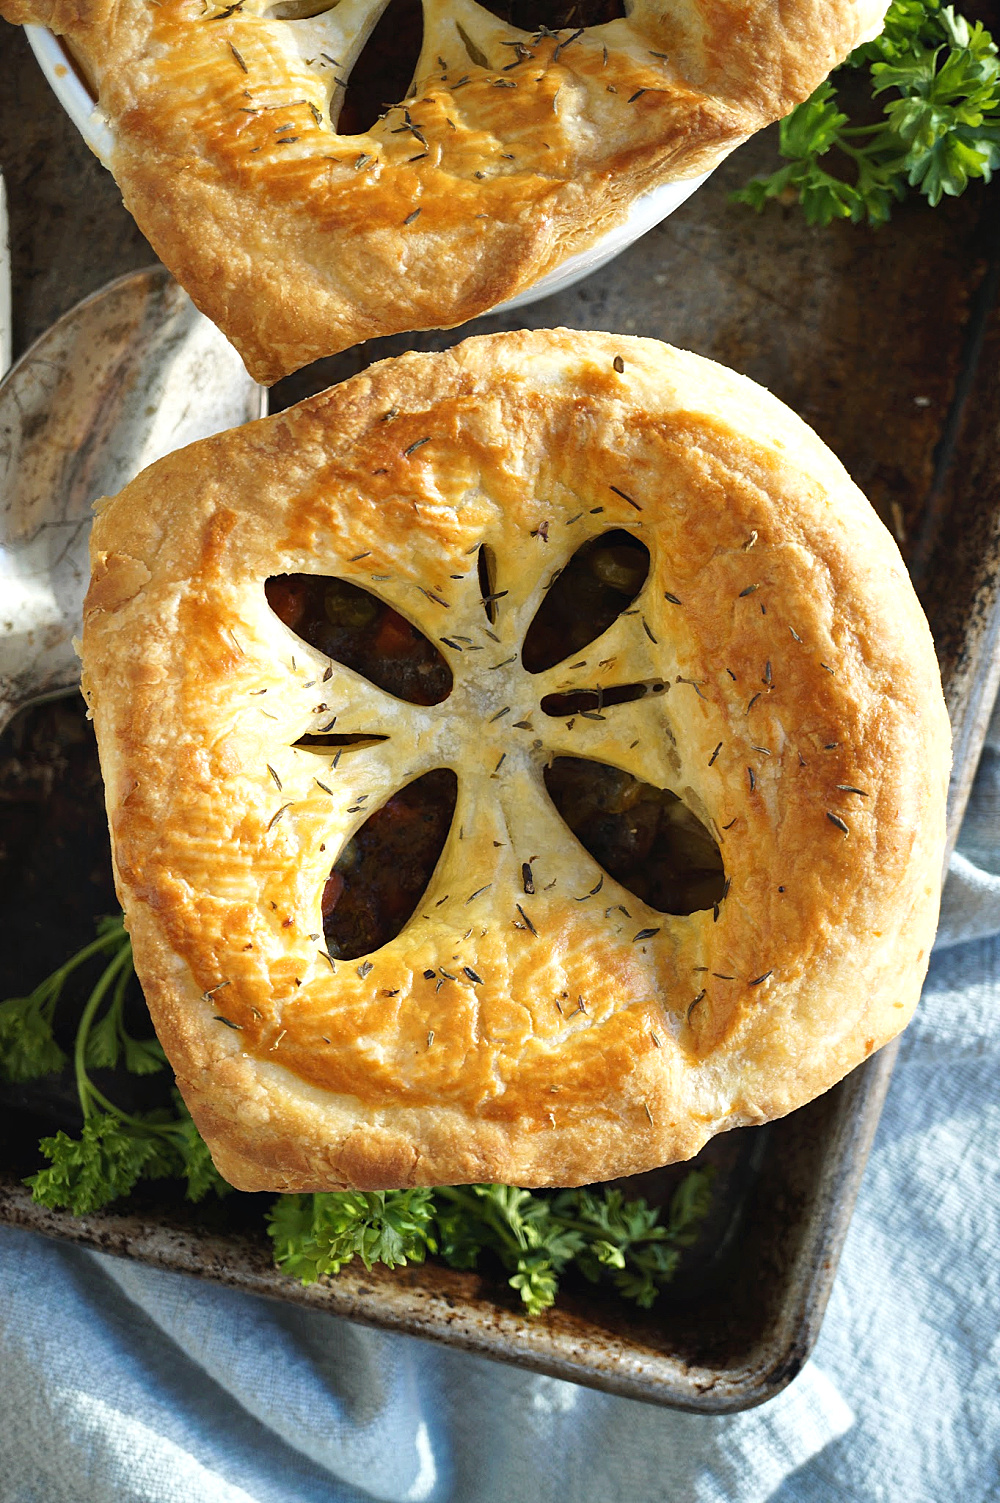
125 1383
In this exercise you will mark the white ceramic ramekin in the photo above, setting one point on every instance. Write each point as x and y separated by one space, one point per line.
78 102
70 90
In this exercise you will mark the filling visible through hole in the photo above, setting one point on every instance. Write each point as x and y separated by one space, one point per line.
487 566
383 73
384 869
644 837
326 740
600 581
556 15
354 628
594 701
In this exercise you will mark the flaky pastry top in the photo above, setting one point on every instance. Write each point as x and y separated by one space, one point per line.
512 151
559 1030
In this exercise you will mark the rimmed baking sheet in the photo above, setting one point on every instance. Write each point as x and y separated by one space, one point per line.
888 344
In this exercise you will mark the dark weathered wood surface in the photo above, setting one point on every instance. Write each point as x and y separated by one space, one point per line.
887 343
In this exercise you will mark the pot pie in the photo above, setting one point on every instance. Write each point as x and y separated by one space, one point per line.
407 623
304 214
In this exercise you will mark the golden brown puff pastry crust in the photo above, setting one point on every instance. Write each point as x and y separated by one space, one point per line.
299 242
803 723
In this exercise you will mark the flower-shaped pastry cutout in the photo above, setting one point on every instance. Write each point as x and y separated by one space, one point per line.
635 825
512 150
533 1020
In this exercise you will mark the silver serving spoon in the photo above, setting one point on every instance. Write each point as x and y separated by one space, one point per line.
126 376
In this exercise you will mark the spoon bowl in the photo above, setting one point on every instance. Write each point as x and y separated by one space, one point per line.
127 375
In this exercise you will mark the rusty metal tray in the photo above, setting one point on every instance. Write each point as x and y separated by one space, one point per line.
888 344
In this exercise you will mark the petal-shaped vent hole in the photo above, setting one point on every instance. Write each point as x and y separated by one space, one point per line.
383 871
337 743
486 564
299 10
363 633
645 837
382 75
476 54
595 701
600 581
556 15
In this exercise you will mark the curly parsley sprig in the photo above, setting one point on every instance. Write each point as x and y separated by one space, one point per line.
115 1149
938 130
28 1047
536 1236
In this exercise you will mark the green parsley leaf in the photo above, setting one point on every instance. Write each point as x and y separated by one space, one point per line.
86 1173
191 1159
315 1235
691 1203
536 1282
27 1046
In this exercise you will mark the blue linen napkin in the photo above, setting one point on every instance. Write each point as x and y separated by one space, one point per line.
125 1383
